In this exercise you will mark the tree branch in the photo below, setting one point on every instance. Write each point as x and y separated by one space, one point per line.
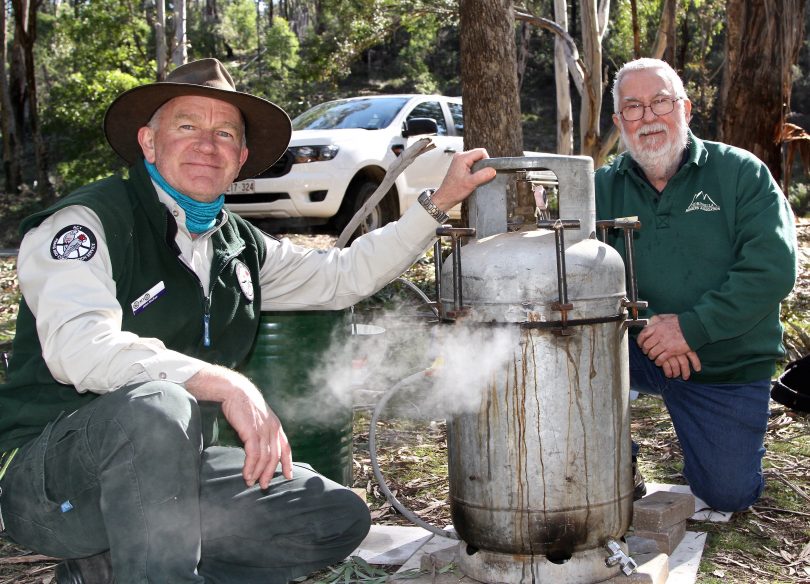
602 19
576 67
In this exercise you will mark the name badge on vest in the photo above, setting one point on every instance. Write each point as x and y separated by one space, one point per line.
148 297
245 281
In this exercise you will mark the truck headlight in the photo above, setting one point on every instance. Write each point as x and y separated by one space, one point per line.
302 154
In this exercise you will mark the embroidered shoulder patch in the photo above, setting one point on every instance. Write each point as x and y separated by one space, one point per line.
76 242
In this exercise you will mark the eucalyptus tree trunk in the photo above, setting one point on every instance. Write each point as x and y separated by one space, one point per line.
524 36
666 32
12 156
670 11
259 40
763 38
594 25
565 119
489 85
636 32
180 53
211 14
25 32
160 39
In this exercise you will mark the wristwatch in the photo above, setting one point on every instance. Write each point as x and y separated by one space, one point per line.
425 200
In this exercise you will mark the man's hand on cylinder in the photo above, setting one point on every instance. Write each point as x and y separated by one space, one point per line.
460 181
247 412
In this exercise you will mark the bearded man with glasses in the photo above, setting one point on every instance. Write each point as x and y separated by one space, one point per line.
715 256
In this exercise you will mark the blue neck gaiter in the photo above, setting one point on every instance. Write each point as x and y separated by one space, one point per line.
200 217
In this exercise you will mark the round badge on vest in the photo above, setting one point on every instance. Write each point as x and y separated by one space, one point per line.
245 281
76 242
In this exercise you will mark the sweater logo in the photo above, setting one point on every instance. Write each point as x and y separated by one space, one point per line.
245 281
76 242
702 202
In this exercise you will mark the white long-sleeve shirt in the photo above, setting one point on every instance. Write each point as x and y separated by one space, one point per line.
79 318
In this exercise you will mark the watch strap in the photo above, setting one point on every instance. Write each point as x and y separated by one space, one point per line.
426 202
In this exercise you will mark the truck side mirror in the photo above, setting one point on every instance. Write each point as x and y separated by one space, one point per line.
417 126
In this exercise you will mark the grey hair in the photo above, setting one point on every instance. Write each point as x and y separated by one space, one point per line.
642 65
154 121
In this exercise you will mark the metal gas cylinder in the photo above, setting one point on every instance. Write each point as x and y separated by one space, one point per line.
540 474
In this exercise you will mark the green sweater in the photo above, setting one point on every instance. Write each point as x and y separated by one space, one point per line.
717 247
139 232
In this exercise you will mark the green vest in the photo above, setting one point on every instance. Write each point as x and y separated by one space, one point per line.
140 233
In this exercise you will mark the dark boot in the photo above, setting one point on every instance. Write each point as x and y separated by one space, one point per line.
93 570
639 488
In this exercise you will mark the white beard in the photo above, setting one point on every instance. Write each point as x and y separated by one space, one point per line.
659 162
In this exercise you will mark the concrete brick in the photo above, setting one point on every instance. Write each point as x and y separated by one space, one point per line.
640 545
668 539
438 559
661 510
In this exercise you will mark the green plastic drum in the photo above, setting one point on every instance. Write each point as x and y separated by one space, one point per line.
289 363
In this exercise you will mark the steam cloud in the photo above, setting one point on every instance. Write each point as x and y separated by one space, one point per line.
464 361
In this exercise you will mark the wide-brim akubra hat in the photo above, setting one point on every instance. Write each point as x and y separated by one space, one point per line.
267 126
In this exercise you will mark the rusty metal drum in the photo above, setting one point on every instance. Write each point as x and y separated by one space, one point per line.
540 473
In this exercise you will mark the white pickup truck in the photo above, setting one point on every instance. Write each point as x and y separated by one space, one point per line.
339 153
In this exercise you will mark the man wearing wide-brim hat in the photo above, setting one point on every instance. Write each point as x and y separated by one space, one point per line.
139 295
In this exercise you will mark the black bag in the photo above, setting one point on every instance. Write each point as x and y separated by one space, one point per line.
793 386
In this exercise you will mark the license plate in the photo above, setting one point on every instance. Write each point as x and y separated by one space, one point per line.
243 186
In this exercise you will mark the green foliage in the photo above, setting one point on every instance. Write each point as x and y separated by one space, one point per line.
76 106
239 26
619 44
274 75
281 47
354 570
698 50
205 38
104 34
413 64
349 28
89 55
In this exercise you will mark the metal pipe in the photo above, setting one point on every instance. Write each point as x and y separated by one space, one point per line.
418 292
629 225
602 228
559 226
630 268
437 272
456 233
375 465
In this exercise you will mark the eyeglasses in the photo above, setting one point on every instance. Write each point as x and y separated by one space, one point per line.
660 106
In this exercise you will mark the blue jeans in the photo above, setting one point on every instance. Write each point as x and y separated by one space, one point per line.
721 429
129 472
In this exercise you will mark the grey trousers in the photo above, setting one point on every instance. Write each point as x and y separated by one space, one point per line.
128 473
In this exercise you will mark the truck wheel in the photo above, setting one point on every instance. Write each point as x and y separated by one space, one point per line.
384 212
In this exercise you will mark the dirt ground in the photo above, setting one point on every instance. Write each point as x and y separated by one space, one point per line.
768 544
